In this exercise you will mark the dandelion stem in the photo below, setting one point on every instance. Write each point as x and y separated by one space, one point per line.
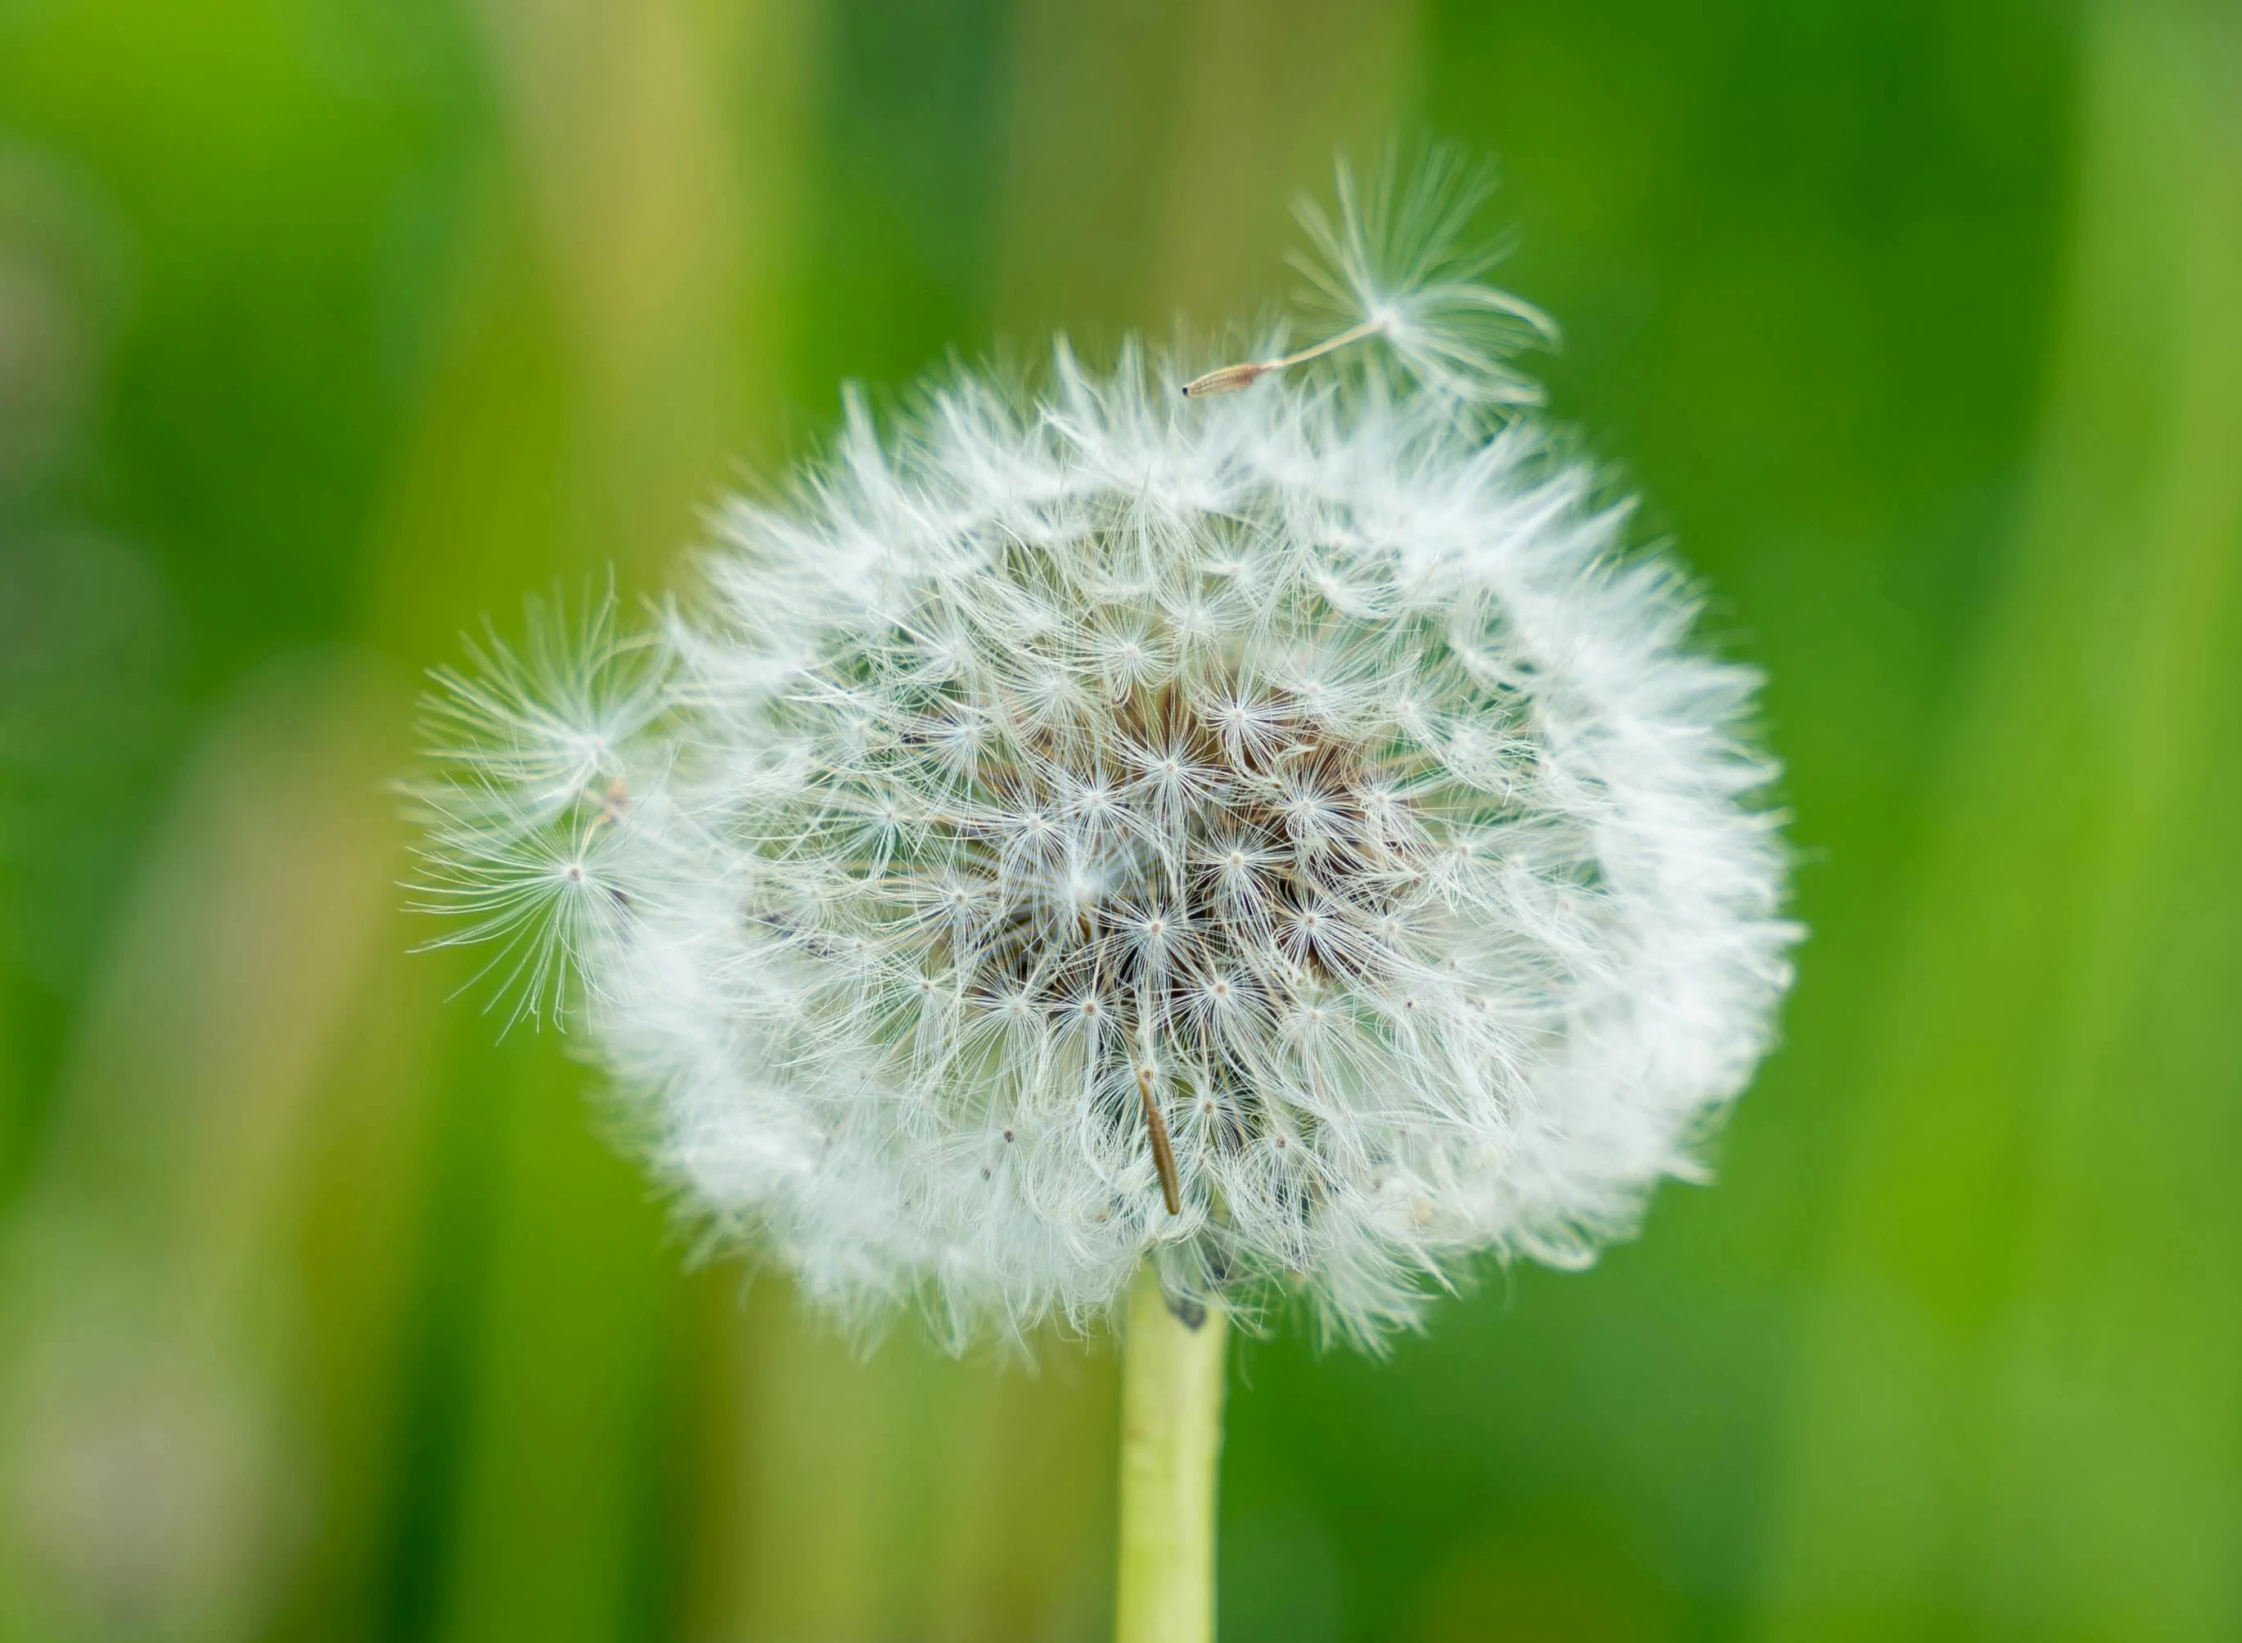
1171 1443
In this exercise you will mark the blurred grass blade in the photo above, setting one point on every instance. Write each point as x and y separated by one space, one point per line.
2020 1414
159 1364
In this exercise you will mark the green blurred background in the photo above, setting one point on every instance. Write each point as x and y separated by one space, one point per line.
328 326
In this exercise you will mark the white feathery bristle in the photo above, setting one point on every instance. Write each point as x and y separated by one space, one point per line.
1284 837
1401 258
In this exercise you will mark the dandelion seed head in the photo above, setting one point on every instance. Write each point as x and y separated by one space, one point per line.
1299 807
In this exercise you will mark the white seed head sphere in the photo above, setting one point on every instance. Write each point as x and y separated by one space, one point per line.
1284 836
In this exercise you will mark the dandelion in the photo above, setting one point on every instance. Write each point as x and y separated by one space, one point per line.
1259 828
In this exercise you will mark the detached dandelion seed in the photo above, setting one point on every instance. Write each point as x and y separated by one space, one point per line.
1248 826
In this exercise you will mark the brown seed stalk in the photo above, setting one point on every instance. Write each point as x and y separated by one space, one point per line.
1163 1154
1228 379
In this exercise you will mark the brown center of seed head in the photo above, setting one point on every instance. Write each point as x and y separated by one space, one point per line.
1184 880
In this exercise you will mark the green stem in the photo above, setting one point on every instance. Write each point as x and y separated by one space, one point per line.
1171 1446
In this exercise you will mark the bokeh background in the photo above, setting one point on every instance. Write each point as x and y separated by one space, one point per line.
329 326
